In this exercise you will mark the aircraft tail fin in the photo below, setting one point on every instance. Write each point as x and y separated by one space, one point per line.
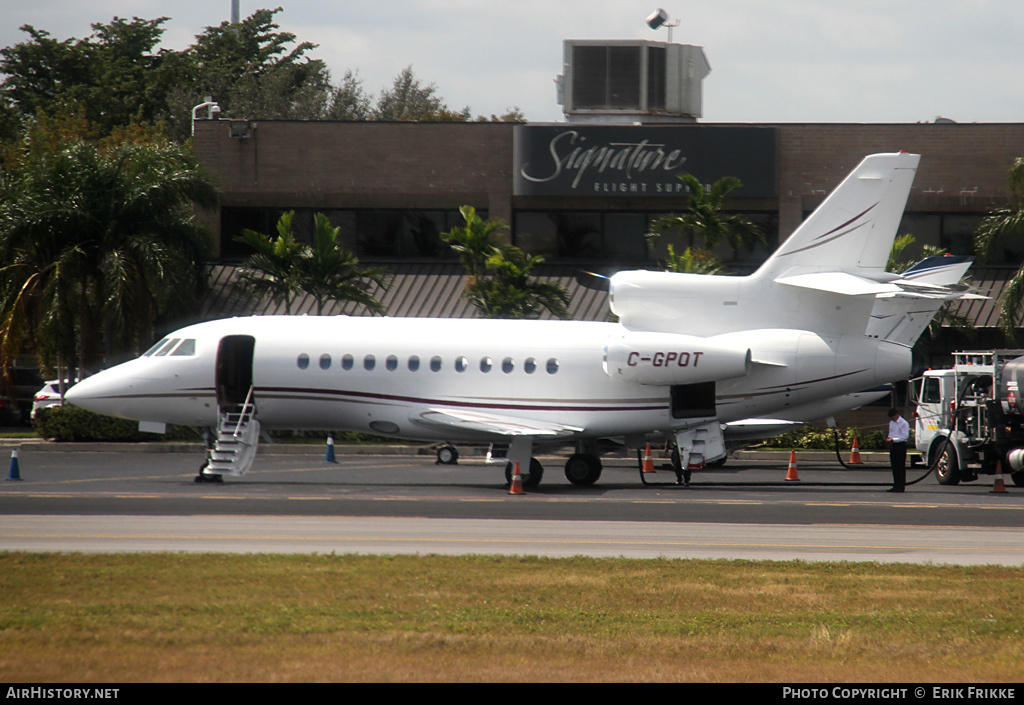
852 231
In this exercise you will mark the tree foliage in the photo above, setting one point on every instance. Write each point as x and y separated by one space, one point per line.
703 227
282 268
410 100
510 290
475 240
98 241
501 281
996 228
117 77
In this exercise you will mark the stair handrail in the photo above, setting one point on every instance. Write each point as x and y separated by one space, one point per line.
245 408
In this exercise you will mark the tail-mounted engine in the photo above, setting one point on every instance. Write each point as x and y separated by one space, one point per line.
670 359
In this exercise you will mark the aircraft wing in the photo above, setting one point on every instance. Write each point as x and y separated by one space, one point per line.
463 420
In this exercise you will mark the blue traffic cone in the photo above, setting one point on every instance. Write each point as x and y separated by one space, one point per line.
330 449
15 473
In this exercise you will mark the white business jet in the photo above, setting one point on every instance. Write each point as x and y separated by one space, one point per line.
689 354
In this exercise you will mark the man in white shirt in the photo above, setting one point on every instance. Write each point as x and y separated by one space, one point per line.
899 433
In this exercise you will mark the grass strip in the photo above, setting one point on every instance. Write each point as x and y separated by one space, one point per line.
283 618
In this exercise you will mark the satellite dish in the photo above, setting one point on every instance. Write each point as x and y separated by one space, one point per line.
657 18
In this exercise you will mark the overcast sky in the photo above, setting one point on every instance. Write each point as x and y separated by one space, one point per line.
784 61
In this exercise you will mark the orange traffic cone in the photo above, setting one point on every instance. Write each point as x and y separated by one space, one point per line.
517 481
791 475
648 460
999 486
855 453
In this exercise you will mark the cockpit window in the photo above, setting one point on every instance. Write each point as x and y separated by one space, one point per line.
154 348
187 348
167 348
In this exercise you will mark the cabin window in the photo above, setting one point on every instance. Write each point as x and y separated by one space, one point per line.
302 361
461 364
529 366
186 349
486 364
391 363
369 362
167 348
414 363
552 366
325 362
347 361
155 348
435 364
507 365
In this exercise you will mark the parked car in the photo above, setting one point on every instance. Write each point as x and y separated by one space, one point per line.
49 396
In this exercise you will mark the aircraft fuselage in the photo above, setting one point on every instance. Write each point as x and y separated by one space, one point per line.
450 379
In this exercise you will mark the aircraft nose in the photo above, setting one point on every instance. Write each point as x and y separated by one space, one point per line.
102 393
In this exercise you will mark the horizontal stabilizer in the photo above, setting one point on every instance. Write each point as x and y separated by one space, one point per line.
901 317
490 424
839 283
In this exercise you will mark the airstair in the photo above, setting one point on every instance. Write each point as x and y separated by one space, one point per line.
238 433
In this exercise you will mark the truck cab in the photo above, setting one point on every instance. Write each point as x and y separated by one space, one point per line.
970 417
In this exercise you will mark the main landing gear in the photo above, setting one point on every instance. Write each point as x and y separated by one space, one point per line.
531 478
581 469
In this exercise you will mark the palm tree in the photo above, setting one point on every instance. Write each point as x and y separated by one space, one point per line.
510 292
945 317
329 272
474 241
283 268
703 224
274 269
995 227
692 261
96 244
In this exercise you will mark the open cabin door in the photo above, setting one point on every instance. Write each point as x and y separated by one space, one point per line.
234 369
238 429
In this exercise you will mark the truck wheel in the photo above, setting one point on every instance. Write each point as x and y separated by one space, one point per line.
947 470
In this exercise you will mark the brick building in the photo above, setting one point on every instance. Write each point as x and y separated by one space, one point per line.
579 194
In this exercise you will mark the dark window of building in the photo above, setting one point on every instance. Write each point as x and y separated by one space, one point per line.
619 237
407 234
374 234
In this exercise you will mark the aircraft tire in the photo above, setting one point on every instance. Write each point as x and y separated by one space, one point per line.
947 469
583 469
447 455
531 478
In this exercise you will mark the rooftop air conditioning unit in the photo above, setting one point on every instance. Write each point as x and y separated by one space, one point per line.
634 80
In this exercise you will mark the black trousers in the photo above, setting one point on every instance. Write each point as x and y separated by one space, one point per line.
898 463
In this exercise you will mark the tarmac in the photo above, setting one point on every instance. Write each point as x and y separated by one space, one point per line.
470 450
